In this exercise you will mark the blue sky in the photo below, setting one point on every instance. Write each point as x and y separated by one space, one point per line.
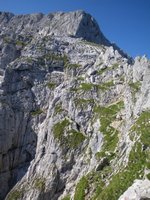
125 22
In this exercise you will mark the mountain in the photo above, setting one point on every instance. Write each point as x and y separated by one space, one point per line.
74 112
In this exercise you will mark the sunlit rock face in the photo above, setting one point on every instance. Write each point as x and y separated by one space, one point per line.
74 112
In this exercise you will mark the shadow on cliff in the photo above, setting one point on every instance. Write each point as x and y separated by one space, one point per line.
18 140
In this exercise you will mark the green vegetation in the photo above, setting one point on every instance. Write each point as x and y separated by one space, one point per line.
74 89
39 184
124 179
142 128
59 129
99 64
51 57
86 86
75 138
148 176
95 182
101 71
135 86
107 115
29 59
15 195
7 39
80 189
36 112
83 102
122 78
102 86
58 108
67 138
105 86
66 198
72 65
51 85
80 78
20 43
113 67
138 161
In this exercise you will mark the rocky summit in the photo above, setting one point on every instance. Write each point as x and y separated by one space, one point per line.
74 112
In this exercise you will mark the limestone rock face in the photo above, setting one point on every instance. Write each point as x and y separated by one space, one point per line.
75 24
139 190
74 111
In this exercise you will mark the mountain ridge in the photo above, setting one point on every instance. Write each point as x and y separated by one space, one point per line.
74 112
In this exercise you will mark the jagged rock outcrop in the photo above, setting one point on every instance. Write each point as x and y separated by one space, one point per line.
74 111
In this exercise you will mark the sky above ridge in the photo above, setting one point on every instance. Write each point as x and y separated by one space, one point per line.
124 22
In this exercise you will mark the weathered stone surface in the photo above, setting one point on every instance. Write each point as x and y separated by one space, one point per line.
138 191
68 102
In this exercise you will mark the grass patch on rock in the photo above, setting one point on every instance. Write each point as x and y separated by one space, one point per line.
135 86
90 86
83 102
68 138
124 179
39 184
105 86
108 68
58 108
107 115
148 176
51 85
80 189
72 65
66 197
36 112
142 128
138 161
86 86
15 195
59 129
75 138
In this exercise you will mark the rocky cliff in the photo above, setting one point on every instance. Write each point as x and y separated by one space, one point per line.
74 112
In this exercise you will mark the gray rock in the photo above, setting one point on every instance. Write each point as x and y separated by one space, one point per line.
58 76
138 191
